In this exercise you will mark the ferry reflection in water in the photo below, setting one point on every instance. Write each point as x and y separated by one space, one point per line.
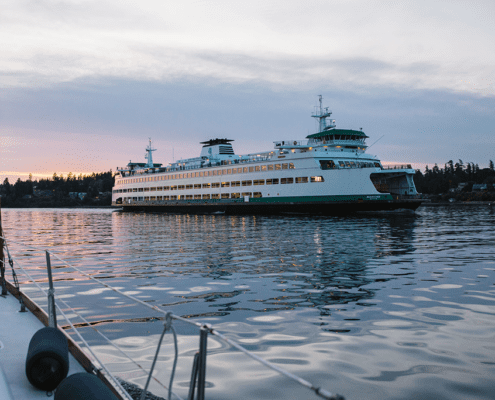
224 264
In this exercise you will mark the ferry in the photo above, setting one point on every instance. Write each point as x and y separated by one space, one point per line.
329 172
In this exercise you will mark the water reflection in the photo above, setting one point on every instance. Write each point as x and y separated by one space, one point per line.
375 304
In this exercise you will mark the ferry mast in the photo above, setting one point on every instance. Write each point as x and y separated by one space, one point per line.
149 155
322 116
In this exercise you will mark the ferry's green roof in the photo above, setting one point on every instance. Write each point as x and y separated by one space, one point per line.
330 132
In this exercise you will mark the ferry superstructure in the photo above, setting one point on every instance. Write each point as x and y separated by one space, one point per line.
329 173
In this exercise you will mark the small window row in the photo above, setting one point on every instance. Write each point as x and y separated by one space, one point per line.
255 182
215 172
214 196
332 164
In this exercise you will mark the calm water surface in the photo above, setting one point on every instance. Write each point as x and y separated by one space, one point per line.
384 306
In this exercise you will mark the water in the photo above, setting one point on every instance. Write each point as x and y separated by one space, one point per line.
395 306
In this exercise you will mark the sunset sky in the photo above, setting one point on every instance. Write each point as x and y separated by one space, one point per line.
84 84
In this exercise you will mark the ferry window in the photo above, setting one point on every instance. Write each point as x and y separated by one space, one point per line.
347 164
140 189
146 198
189 197
272 181
206 186
235 195
159 197
235 183
247 183
286 180
152 189
353 164
225 195
285 166
215 185
327 164
224 172
263 167
153 198
214 172
251 169
189 187
206 196
225 184
270 167
173 197
239 170
166 188
245 169
197 196
257 168
229 171
197 186
317 179
173 187
146 189
341 164
234 170
259 182
302 179
201 174
181 176
257 194
291 166
247 194
377 165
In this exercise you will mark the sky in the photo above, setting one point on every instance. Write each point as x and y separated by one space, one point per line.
84 84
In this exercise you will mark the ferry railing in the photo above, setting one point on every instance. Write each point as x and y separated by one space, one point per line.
398 166
198 375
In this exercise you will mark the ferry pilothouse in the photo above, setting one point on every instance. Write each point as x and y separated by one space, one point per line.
327 173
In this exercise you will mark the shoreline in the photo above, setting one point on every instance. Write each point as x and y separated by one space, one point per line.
458 203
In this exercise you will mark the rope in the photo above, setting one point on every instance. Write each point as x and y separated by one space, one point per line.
124 392
166 326
318 391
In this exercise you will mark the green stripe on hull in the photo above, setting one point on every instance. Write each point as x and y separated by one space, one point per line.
304 199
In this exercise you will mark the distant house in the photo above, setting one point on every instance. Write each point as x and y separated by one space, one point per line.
479 187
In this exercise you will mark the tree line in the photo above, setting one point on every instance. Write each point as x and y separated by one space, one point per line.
59 191
456 180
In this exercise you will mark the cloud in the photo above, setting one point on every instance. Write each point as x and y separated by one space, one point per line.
412 45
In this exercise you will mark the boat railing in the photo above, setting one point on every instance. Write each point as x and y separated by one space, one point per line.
291 143
197 384
397 166
209 164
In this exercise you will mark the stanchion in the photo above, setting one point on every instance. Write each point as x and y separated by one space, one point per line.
52 315
2 257
203 339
